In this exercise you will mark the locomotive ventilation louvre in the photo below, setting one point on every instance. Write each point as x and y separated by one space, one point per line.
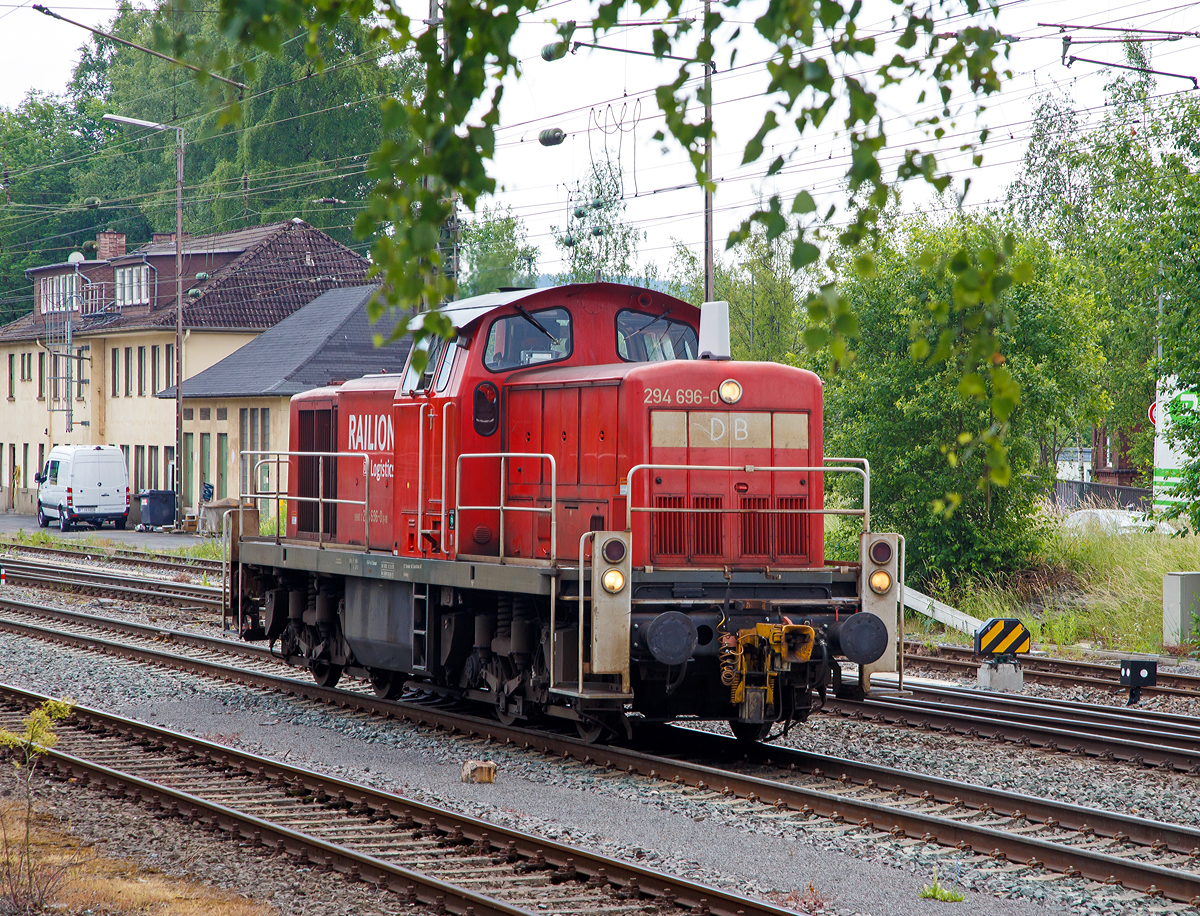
701 534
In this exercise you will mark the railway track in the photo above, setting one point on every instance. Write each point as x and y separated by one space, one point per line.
1141 737
1040 669
992 827
429 856
102 583
117 556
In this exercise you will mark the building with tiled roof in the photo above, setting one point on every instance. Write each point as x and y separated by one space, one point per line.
122 311
243 401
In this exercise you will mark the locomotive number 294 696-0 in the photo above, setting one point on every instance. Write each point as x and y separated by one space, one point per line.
680 396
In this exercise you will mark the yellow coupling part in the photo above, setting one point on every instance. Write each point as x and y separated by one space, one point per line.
767 648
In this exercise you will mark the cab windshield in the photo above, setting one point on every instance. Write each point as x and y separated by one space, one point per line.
643 338
528 339
421 382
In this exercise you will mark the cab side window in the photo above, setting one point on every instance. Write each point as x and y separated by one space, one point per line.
528 339
52 473
643 338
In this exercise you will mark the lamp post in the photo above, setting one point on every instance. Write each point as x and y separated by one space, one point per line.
151 125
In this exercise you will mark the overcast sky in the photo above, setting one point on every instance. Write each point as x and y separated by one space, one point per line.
605 98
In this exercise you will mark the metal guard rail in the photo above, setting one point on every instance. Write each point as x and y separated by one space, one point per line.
864 472
502 508
274 458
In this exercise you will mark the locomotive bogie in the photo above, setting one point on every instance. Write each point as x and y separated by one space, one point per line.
568 514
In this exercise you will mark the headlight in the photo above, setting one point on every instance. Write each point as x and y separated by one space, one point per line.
881 553
614 550
613 581
730 391
880 581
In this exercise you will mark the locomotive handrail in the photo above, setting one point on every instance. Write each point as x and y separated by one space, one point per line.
864 472
504 456
320 499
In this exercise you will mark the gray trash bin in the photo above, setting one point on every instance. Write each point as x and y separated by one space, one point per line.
158 508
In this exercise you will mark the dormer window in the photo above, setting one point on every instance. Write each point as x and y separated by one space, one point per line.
60 293
133 285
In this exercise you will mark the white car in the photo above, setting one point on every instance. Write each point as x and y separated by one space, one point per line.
83 484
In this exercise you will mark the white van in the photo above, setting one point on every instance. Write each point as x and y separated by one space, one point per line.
83 484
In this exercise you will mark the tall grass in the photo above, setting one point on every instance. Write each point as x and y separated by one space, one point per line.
1087 585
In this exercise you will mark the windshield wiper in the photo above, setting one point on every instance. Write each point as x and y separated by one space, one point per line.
533 321
649 321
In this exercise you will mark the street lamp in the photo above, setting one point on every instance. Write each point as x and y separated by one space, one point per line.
151 125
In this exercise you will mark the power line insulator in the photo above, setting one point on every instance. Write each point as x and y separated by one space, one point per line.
556 50
551 136
597 231
568 241
92 203
581 212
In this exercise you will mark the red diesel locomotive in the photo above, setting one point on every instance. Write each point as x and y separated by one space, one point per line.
580 508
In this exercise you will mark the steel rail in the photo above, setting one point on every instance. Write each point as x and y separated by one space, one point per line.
78 579
1034 851
794 762
118 556
1050 670
1050 734
643 881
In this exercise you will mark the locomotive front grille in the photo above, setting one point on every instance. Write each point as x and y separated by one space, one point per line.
792 540
756 526
707 527
669 527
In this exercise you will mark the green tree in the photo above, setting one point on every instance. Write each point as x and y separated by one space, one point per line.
495 252
42 216
766 295
900 412
597 242
297 145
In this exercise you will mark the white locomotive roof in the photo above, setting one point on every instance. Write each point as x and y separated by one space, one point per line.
464 311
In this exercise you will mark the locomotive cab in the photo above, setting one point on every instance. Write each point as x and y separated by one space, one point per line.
569 513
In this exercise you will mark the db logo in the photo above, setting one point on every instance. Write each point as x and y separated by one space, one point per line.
1153 413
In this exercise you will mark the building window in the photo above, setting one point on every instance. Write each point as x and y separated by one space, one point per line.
55 374
129 372
188 413
205 413
222 413
60 293
222 465
125 453
12 371
116 372
79 374
139 468
154 376
41 455
152 467
170 365
141 372
41 375
169 466
133 285
25 465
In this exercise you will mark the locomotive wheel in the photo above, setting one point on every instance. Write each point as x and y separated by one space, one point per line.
589 730
386 684
749 732
505 718
325 674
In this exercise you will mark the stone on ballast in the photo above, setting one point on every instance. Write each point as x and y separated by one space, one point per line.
479 771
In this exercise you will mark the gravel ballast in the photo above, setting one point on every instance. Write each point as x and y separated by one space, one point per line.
742 847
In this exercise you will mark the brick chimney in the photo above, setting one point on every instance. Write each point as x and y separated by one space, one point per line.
110 245
161 238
